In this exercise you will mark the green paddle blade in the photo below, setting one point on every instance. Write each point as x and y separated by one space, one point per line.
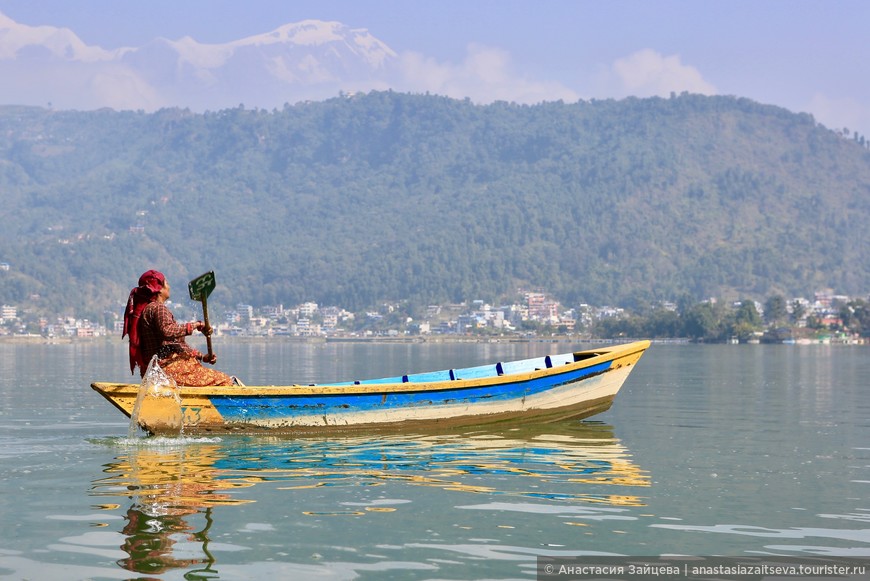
201 286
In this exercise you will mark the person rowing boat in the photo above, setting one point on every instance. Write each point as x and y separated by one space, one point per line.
153 331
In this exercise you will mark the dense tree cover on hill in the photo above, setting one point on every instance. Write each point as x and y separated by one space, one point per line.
387 196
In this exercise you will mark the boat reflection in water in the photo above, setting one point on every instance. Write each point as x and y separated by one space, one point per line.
170 483
176 484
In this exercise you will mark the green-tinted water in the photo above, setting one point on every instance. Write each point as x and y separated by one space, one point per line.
727 450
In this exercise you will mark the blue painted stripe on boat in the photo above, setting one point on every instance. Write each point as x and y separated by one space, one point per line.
524 366
378 381
241 408
480 372
430 376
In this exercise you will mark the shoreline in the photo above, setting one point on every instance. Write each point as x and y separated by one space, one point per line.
416 339
38 339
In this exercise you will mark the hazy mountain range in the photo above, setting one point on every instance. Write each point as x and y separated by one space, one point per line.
304 60
386 195
389 196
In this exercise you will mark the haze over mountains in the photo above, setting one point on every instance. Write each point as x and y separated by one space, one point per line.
132 55
305 60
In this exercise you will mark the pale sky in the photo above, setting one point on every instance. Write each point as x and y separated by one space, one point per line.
805 55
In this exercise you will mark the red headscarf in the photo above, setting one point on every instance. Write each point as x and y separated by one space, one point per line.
150 284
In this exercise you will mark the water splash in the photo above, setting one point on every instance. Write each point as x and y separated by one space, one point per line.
158 399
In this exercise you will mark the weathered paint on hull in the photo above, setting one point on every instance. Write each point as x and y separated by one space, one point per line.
581 385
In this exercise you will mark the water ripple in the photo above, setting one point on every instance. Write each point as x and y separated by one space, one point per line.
849 535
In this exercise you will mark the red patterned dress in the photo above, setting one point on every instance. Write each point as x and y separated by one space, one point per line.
161 335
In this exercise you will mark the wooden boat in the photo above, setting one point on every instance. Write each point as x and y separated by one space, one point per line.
542 389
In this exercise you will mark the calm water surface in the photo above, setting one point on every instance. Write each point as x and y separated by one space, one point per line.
708 450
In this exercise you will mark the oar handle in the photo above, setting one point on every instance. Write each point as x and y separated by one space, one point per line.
207 326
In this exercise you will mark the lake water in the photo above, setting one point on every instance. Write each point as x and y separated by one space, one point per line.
708 450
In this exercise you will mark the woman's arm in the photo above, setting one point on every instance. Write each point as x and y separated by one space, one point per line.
167 325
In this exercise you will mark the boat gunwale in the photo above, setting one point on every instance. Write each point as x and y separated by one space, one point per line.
599 356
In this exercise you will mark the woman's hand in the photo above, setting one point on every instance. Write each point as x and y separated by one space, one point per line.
200 326
210 359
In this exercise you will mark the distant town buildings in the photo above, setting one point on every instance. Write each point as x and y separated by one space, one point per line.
8 313
535 313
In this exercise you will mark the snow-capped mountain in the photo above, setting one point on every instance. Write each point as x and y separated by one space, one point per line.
305 60
18 41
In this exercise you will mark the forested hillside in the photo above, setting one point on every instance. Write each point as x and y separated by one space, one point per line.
393 196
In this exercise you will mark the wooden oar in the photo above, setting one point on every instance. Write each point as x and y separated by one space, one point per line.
200 288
